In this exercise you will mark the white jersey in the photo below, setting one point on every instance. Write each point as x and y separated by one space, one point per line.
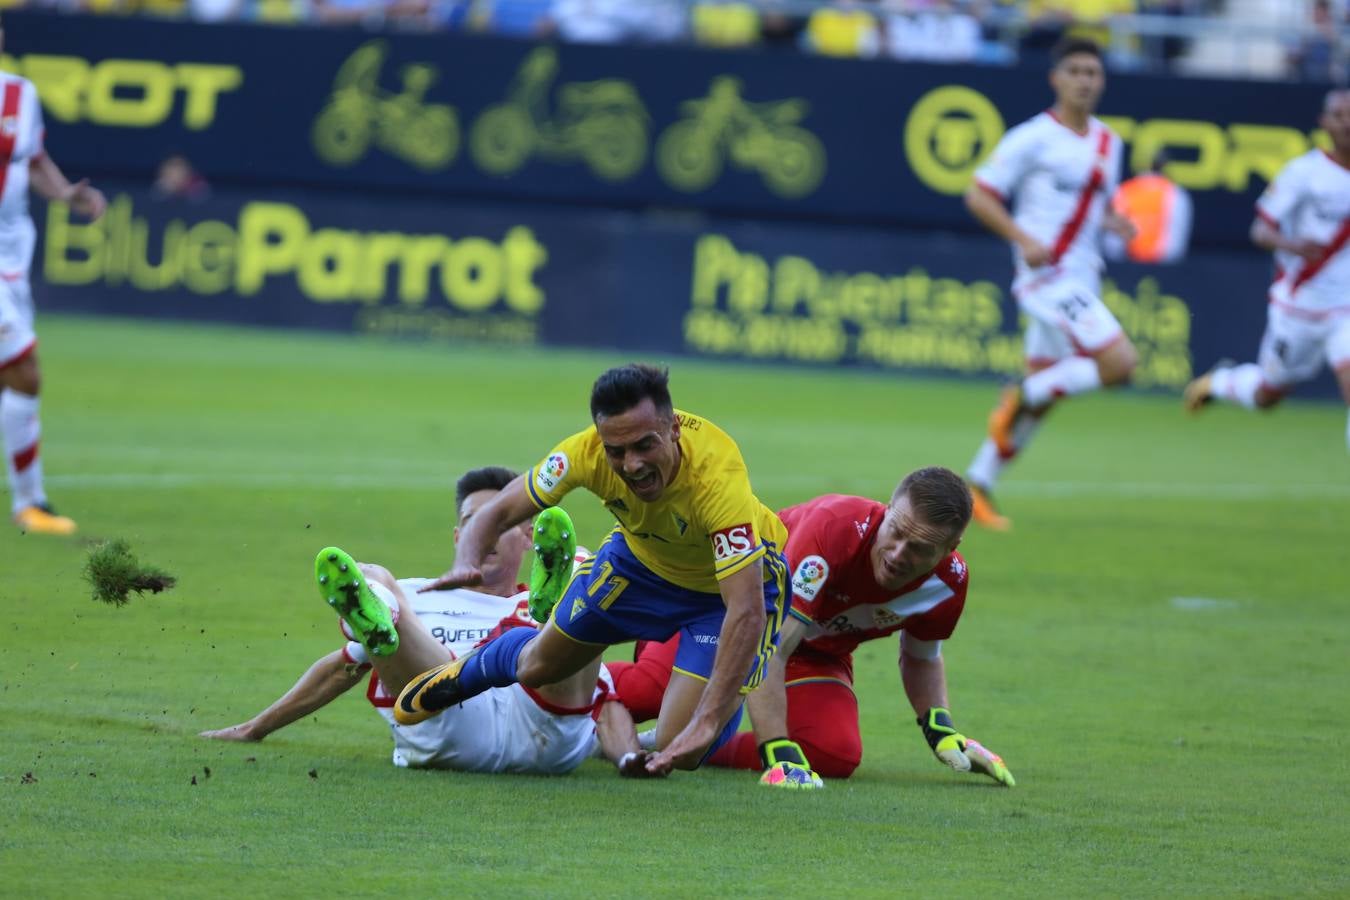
1310 200
20 143
1058 184
509 729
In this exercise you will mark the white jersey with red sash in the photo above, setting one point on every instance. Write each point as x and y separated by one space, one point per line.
1310 200
20 144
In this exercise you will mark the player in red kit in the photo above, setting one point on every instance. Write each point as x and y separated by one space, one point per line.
862 570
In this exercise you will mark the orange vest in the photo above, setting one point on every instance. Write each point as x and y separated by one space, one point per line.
1147 201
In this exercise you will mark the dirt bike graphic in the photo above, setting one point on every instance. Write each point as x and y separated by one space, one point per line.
759 136
602 123
361 113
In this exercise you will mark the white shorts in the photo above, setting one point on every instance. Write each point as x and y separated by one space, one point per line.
1295 346
16 320
500 730
1065 316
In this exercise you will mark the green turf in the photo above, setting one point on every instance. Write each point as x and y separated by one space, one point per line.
1161 746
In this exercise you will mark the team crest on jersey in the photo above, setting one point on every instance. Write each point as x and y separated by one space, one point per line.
9 126
862 526
810 577
551 472
884 618
958 568
729 543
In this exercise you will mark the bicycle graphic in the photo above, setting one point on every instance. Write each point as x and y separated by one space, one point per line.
764 137
360 113
602 123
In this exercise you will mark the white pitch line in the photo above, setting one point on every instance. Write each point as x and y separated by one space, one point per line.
1203 604
417 481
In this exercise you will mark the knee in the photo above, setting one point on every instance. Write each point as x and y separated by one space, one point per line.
1266 398
1116 368
378 574
24 376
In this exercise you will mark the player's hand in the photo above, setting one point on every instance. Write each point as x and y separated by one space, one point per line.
1119 225
240 732
685 750
86 199
457 577
634 765
1309 250
786 766
1034 252
954 749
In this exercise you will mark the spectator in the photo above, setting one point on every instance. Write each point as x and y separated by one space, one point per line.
845 30
1318 55
940 32
725 24
617 21
178 180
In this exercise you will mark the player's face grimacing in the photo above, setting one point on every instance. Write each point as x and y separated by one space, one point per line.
907 547
643 448
503 560
1078 80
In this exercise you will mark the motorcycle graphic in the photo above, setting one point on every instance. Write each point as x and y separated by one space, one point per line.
360 113
754 136
602 123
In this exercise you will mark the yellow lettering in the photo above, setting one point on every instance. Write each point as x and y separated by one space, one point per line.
109 104
420 256
471 275
203 84
270 238
208 257
60 84
328 264
65 238
524 255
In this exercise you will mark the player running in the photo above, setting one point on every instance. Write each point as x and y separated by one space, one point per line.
1304 218
1058 171
694 551
23 161
545 731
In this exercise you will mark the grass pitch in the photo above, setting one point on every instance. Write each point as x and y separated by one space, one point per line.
1158 650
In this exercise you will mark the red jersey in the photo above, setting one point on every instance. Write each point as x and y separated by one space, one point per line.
829 547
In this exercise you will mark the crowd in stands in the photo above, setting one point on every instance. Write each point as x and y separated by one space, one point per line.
979 31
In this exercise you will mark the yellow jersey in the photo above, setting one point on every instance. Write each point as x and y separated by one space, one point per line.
706 525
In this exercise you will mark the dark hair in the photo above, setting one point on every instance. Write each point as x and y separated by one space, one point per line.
1072 45
488 478
938 496
624 387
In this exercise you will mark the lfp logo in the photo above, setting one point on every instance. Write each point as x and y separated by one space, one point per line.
810 577
551 472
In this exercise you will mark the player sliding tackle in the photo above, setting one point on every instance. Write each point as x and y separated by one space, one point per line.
401 632
694 552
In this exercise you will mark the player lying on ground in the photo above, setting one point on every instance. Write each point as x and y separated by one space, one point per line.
1304 217
862 571
548 730
694 551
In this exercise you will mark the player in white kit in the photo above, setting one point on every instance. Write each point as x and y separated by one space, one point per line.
545 731
23 162
1046 189
1304 218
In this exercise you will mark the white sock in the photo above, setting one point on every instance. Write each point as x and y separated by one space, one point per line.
647 739
21 430
1074 375
988 465
385 595
1236 385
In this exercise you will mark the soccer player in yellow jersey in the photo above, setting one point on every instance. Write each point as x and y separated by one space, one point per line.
694 552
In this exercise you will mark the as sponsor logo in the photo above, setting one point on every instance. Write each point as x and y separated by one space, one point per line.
732 542
551 472
810 577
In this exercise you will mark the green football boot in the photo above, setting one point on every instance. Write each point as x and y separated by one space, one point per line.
344 588
555 546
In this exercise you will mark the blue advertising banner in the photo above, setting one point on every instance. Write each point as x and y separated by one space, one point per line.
725 289
739 133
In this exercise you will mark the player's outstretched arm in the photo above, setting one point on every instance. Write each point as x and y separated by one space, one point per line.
785 763
325 681
619 741
742 630
49 181
992 213
479 534
925 681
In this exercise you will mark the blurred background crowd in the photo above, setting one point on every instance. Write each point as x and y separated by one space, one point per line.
1272 39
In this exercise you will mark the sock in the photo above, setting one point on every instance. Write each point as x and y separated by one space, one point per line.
357 654
647 739
1073 375
20 428
988 465
495 664
1237 385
